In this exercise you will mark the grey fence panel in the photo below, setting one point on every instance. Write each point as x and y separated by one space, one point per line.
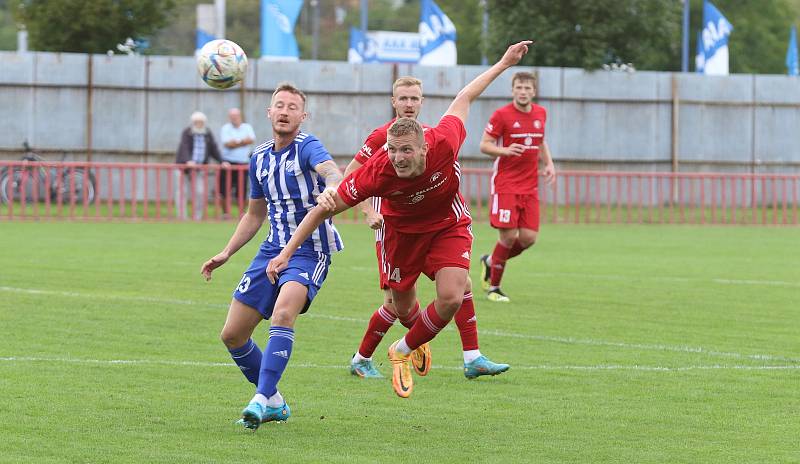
118 130
719 133
64 127
777 134
139 105
17 116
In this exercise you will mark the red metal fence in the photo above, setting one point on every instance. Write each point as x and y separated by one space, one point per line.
113 191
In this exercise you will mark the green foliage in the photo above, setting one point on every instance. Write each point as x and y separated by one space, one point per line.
576 33
89 26
8 28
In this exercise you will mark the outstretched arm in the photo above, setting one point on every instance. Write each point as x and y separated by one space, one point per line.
460 106
307 226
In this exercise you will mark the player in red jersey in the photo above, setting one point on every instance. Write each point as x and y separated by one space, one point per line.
515 137
407 101
427 223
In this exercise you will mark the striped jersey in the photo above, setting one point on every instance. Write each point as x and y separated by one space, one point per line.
426 203
287 181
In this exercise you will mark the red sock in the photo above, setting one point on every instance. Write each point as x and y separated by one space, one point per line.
516 249
499 258
427 326
379 324
467 324
408 321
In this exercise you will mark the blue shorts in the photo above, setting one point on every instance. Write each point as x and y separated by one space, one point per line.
257 291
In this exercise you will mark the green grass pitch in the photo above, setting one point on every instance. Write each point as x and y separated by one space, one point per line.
627 344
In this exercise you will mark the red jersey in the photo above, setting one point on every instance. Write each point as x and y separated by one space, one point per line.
375 141
428 202
517 174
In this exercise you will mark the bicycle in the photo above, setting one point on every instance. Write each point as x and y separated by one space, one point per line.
34 181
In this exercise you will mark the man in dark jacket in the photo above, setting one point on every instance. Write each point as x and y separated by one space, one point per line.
196 147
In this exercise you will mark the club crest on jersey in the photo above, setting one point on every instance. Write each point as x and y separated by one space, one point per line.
435 176
528 141
289 166
537 124
264 173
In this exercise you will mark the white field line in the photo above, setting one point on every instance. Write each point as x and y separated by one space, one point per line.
767 283
496 333
543 367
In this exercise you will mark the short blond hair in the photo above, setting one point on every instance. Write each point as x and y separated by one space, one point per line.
406 81
523 76
291 88
407 126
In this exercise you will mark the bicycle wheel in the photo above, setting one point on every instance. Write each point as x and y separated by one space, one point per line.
14 184
82 187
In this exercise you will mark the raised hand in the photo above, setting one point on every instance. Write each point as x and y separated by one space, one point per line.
515 52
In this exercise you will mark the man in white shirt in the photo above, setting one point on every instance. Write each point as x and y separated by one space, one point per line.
237 141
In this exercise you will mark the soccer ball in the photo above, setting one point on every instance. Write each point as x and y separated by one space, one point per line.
221 63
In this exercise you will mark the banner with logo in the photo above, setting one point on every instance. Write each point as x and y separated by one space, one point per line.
714 40
206 21
437 36
700 57
278 18
791 54
383 47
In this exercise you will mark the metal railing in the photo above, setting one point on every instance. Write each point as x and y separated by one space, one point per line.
165 192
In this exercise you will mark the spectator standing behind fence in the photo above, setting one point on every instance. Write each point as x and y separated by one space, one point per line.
196 147
237 141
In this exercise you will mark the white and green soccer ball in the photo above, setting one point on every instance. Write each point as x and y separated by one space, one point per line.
221 63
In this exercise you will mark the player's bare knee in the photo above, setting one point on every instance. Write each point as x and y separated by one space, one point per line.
527 240
449 304
232 338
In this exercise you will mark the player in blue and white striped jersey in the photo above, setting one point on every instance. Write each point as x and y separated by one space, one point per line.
287 173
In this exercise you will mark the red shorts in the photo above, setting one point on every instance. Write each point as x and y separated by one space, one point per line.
512 211
409 255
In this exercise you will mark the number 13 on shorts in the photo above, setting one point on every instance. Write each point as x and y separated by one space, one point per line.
504 216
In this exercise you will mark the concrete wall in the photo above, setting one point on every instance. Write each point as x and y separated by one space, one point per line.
123 108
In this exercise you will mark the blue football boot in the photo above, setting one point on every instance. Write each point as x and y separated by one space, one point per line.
482 366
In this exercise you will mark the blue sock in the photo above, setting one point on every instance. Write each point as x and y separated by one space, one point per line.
248 358
276 356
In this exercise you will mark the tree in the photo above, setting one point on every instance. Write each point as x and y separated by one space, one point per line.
8 29
89 26
577 33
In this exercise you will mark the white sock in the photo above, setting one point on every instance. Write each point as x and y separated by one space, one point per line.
276 400
471 355
260 399
358 358
402 346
